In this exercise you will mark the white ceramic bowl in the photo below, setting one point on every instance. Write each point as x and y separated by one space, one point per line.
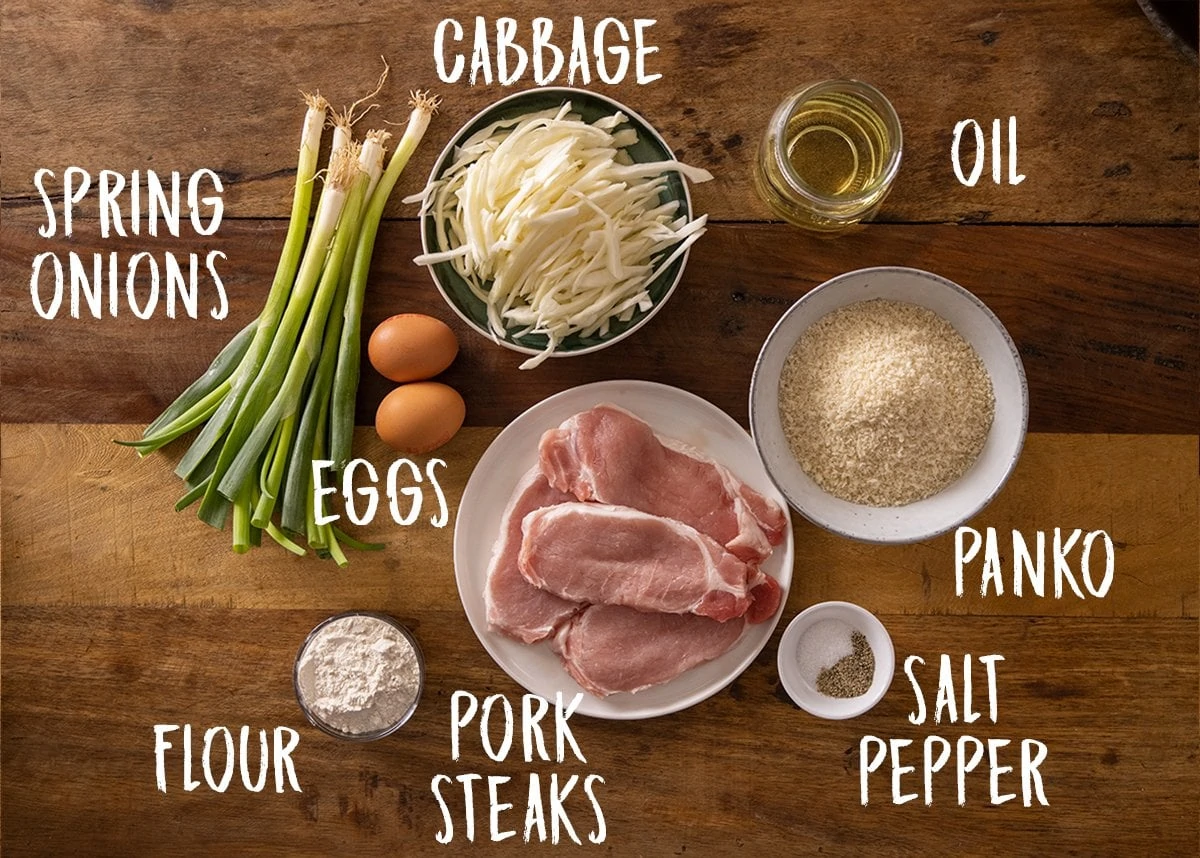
803 692
958 501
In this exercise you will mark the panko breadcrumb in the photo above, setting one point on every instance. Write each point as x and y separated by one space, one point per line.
883 403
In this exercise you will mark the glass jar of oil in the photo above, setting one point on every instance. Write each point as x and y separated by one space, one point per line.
829 155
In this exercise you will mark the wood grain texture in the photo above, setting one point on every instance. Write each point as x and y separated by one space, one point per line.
789 785
86 523
1106 108
119 614
1107 320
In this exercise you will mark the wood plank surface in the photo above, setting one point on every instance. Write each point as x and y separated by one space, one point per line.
86 523
1106 107
1085 688
1107 321
118 614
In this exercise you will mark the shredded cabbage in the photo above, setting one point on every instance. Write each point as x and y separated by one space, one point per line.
554 227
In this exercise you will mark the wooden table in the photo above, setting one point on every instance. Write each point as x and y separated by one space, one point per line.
119 614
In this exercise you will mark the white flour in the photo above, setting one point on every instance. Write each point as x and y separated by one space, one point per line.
359 674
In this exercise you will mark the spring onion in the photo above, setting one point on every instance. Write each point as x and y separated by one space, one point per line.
345 380
268 404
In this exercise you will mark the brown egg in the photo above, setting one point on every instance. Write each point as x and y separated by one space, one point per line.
419 417
411 347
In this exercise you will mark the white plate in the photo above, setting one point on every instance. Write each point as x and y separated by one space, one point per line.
673 413
958 501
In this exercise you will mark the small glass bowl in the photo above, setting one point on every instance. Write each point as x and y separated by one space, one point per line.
370 736
781 186
804 693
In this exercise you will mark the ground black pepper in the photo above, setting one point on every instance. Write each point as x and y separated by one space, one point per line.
852 675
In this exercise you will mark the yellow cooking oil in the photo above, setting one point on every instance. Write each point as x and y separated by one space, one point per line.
829 156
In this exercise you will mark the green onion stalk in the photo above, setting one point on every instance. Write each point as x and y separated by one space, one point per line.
278 396
345 381
178 418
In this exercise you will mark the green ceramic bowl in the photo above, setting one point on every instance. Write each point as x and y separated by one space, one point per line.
650 147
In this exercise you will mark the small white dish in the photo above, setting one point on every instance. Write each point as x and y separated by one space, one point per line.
958 501
803 692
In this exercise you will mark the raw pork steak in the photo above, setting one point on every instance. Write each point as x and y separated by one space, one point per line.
609 648
608 455
514 606
613 555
